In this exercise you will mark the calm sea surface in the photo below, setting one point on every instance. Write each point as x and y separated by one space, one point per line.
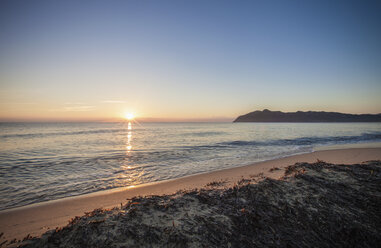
45 161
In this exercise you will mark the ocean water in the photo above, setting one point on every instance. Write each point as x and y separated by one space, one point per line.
46 161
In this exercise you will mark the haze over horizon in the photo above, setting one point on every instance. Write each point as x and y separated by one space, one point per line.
187 60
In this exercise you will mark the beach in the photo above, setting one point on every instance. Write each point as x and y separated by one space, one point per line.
190 124
36 219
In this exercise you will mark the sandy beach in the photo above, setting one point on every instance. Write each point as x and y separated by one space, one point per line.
39 218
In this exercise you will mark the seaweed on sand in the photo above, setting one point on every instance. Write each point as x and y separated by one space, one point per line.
216 183
313 205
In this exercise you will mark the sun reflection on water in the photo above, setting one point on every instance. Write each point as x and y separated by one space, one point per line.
129 138
132 175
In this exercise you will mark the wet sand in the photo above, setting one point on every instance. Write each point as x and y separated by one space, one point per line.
38 218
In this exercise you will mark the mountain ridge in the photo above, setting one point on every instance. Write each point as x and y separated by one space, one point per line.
309 116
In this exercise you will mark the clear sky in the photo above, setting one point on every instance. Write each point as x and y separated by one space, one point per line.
187 60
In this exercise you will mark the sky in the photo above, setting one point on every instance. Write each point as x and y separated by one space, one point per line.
187 60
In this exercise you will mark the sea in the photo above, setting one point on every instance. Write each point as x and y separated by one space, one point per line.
47 161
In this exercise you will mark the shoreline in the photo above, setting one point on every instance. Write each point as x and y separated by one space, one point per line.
109 191
38 218
313 203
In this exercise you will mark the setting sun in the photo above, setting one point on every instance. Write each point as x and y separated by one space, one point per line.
129 116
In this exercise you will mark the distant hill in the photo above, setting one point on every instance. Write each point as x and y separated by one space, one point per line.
310 116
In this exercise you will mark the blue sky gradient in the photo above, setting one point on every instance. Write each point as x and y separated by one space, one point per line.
167 60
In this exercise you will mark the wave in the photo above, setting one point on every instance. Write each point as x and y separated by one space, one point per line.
308 140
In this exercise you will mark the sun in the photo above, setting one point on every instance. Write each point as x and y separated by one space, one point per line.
129 116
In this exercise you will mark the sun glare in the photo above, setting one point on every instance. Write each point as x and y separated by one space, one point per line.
129 116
